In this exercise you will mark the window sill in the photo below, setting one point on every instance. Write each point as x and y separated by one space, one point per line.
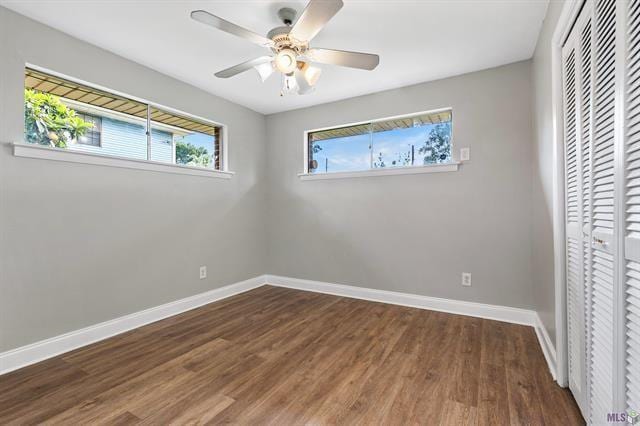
57 154
432 168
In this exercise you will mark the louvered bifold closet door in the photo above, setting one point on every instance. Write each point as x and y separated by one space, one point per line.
575 172
603 244
632 210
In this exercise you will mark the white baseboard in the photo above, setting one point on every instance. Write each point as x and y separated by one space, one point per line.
481 310
548 348
39 351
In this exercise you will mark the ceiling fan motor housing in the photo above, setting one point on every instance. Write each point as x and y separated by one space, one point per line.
281 40
287 15
280 35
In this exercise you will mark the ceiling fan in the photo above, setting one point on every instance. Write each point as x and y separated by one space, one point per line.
289 45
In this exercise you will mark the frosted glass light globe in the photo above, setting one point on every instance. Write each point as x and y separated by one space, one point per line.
286 61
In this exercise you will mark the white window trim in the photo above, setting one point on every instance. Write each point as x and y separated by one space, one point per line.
224 131
58 154
426 168
387 171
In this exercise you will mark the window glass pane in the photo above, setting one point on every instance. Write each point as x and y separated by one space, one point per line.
184 140
161 143
412 141
63 114
416 140
345 154
340 150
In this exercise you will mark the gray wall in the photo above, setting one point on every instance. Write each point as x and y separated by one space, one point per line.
414 233
80 244
542 218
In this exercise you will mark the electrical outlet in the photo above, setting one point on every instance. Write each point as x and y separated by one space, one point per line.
203 272
464 154
466 279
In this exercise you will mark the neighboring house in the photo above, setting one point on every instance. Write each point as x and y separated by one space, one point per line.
123 136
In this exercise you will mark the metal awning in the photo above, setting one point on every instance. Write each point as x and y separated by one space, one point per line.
66 89
382 126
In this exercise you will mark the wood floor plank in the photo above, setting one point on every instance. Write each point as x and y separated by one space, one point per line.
125 419
252 392
429 382
26 385
375 402
321 367
455 413
195 408
492 384
376 345
524 402
466 372
558 408
281 356
339 372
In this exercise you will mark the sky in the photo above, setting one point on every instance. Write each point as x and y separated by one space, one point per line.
352 153
201 140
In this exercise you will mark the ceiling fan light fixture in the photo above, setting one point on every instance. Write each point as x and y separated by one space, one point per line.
306 77
303 86
311 74
286 61
265 70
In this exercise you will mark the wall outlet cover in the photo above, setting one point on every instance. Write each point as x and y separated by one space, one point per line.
466 279
464 154
203 272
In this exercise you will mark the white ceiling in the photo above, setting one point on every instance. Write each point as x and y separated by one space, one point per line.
417 40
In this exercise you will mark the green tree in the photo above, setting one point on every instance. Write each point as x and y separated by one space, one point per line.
50 122
437 147
191 155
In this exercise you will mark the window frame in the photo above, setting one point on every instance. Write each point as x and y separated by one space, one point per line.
25 149
422 168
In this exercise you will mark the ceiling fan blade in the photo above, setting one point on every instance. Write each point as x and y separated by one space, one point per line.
365 61
314 17
207 18
237 69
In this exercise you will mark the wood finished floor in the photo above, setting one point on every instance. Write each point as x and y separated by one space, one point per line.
280 356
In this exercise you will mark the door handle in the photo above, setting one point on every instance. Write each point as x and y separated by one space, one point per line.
602 243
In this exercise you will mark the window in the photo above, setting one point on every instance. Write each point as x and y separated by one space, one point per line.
408 141
92 135
191 143
63 114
